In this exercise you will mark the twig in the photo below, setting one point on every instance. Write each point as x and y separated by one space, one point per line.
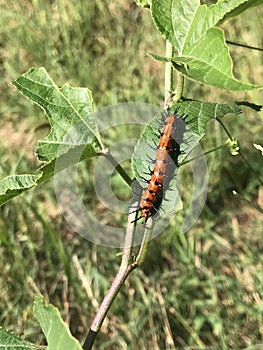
250 167
240 152
244 45
118 167
125 269
255 206
148 228
203 154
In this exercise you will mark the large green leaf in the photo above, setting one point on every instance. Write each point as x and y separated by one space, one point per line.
69 112
73 137
202 52
209 62
196 114
10 341
55 329
183 22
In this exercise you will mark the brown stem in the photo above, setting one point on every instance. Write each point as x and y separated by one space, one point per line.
127 266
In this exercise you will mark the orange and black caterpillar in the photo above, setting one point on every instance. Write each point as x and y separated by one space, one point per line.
166 160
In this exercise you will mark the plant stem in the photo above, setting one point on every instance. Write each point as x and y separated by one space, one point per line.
250 167
180 88
255 206
125 269
145 242
169 80
169 92
127 263
225 129
244 45
106 304
118 167
241 153
203 154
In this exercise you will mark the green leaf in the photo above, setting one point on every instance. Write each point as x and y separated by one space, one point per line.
12 186
241 8
196 114
71 157
74 135
10 341
209 62
203 55
69 112
56 331
183 23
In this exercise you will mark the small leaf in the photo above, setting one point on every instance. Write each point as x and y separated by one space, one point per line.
12 186
10 341
196 115
56 331
69 112
215 69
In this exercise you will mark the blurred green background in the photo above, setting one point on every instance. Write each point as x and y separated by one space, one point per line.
200 290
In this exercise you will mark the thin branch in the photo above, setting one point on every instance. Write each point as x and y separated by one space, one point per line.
118 167
225 129
250 167
148 228
203 154
180 88
244 45
125 269
240 152
255 206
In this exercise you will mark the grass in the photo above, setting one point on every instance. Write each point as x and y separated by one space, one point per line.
200 290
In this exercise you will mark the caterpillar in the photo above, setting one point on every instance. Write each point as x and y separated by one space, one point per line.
165 163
